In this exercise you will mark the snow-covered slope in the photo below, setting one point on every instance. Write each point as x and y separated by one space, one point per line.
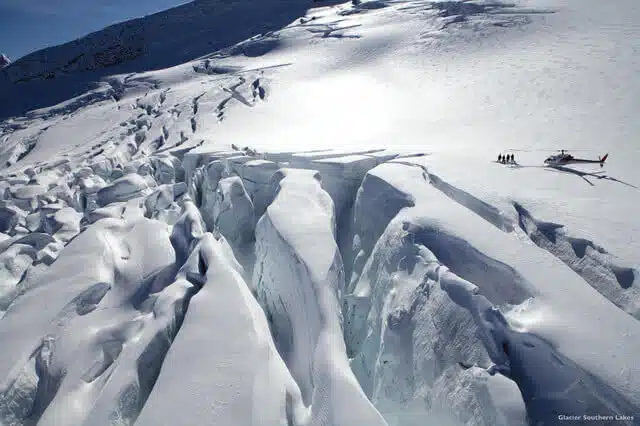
235 213
161 40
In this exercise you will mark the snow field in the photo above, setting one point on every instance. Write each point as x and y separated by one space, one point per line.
301 222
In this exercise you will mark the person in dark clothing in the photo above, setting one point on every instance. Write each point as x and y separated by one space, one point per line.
499 158
513 159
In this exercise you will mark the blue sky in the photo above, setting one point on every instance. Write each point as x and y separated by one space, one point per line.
29 25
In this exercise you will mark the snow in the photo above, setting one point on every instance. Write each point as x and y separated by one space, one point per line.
265 214
452 236
125 188
233 210
250 381
121 254
302 300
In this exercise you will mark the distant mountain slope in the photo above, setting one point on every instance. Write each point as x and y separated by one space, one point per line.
161 40
157 41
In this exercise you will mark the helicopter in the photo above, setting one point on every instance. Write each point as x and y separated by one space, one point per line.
564 158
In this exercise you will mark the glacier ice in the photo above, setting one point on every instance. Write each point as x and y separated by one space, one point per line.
152 274
300 286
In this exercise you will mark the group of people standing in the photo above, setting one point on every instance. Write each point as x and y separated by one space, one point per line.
506 159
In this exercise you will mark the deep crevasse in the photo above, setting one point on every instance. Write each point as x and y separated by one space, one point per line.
271 324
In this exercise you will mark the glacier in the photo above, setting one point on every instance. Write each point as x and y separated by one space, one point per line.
291 214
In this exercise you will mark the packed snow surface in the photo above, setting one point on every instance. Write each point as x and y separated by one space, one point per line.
292 213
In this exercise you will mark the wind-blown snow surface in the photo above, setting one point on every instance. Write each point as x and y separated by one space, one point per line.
308 226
